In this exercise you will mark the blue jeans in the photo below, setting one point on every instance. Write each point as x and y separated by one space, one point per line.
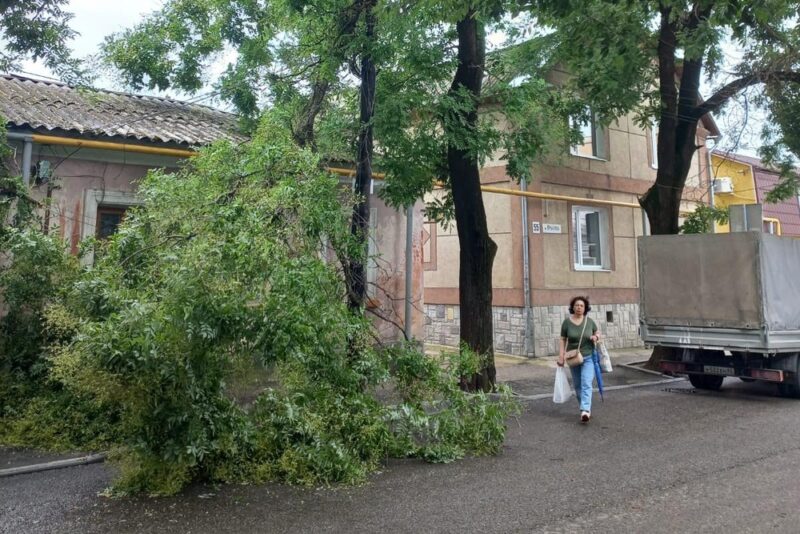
582 380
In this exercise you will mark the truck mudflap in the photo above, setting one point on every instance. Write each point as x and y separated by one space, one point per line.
688 368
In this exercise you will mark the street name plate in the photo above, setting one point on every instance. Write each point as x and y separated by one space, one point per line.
716 370
550 228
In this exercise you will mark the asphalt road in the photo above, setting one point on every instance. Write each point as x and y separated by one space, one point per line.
654 459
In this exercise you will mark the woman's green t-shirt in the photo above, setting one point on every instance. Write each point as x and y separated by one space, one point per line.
572 332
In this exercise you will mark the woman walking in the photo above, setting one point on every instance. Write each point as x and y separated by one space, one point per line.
579 333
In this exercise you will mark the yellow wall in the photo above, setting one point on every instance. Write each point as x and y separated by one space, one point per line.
744 191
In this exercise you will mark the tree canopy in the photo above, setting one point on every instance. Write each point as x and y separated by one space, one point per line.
649 57
303 60
37 30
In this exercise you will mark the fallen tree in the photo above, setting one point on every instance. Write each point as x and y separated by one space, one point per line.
226 269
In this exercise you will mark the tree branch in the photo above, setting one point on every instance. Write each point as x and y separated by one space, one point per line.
730 90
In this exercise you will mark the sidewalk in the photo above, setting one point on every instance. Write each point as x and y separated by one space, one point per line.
535 376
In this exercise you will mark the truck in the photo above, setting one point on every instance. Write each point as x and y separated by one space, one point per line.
727 304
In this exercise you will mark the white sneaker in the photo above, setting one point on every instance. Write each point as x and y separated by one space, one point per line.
585 416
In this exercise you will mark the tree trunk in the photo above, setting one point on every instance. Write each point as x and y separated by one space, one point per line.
304 134
359 225
676 137
477 248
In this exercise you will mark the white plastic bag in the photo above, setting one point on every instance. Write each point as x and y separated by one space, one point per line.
561 391
605 358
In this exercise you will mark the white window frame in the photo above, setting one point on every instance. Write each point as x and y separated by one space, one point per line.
577 239
93 198
599 139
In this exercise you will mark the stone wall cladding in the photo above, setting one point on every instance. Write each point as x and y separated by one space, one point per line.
442 327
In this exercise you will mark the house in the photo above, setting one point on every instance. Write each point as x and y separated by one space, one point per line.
740 179
572 231
83 151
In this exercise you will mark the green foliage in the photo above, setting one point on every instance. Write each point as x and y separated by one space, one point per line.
34 268
224 264
281 46
782 141
37 30
439 422
523 115
701 220
58 420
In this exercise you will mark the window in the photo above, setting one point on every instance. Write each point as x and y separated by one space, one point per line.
108 220
654 143
593 134
770 227
98 202
590 239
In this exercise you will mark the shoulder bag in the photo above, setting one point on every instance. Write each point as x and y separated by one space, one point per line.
574 357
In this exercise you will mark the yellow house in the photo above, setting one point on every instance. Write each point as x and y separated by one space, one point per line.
735 185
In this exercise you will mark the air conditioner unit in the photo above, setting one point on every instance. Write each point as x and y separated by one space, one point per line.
723 185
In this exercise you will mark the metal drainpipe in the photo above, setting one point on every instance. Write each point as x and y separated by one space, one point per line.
711 179
409 269
526 274
27 154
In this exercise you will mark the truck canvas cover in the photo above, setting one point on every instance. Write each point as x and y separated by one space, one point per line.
744 281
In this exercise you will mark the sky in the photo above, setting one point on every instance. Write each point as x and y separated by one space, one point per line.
95 19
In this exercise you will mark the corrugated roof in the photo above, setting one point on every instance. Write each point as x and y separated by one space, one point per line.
47 106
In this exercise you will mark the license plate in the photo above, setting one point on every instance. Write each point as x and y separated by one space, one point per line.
716 370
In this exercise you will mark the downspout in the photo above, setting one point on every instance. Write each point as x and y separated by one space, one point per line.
27 154
526 275
711 178
409 269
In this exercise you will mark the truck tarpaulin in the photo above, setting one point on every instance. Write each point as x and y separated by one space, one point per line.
745 280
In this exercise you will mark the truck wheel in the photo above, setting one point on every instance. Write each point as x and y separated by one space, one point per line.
711 382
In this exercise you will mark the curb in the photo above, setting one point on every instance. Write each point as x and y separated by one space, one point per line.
58 464
541 396
633 366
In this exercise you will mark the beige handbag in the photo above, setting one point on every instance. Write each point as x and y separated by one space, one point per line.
574 357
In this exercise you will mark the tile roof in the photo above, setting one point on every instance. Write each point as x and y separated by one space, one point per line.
47 106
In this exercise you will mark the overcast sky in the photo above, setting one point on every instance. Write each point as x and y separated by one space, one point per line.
95 19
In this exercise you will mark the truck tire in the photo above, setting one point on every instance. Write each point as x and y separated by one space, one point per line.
711 382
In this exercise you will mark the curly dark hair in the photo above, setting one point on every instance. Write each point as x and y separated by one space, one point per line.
585 303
